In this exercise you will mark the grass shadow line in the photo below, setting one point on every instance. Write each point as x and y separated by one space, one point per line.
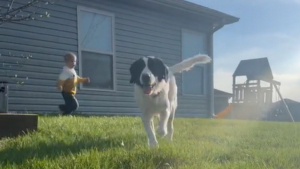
15 155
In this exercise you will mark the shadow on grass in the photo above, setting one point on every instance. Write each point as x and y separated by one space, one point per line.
79 114
51 150
156 158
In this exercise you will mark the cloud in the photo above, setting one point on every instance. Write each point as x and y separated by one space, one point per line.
213 3
223 80
281 49
289 85
296 1
230 60
267 36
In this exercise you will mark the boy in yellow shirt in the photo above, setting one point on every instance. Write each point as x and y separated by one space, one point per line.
67 83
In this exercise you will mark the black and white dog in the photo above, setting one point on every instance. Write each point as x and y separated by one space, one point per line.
155 91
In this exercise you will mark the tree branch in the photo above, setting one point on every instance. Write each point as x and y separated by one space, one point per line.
11 15
10 6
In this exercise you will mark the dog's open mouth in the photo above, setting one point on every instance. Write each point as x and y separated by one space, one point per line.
147 89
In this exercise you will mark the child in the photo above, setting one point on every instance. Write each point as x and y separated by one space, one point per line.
67 83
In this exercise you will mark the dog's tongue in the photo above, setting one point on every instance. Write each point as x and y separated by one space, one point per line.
147 90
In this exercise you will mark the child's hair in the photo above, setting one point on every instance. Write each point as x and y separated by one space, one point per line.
68 55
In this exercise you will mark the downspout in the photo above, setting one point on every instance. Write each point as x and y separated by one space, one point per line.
211 72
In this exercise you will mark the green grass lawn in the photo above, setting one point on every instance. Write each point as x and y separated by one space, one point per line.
120 142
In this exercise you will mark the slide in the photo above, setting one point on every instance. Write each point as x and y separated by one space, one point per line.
223 113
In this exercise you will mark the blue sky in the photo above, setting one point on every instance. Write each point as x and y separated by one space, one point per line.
267 28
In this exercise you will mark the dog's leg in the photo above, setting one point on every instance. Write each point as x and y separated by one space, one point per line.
152 125
170 125
163 121
148 125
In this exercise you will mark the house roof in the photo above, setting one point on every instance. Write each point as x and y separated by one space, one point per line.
287 101
258 68
216 17
224 19
221 93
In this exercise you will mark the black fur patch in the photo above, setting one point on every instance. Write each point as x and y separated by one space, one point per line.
158 68
136 69
155 65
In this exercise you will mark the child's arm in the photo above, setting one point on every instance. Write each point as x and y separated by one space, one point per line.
60 84
61 80
81 80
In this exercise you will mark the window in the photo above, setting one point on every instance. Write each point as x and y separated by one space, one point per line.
193 81
96 48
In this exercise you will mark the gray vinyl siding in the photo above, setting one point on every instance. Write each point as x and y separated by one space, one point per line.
138 32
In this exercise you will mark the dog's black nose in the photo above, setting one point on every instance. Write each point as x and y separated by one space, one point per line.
146 78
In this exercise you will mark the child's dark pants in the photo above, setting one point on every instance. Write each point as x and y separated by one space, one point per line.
71 103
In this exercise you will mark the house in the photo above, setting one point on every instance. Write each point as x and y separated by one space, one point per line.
108 35
278 111
221 100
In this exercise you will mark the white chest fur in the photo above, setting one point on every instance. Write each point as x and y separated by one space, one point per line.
151 103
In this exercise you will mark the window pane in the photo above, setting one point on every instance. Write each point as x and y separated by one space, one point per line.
192 44
99 68
95 32
193 81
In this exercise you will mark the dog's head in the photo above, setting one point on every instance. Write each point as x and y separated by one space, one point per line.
148 72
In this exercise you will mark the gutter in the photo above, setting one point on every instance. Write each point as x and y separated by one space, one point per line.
216 96
215 29
211 70
196 9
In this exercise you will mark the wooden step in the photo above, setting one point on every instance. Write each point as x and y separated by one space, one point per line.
12 125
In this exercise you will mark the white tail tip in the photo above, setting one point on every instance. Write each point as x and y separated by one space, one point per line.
201 58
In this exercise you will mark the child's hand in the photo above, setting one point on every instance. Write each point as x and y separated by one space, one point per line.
87 79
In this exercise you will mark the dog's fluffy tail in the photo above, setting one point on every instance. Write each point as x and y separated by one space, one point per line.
189 63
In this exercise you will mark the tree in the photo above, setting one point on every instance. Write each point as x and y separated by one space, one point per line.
12 11
22 12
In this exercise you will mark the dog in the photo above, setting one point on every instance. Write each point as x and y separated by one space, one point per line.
155 92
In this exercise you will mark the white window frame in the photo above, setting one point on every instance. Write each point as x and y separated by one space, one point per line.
112 54
204 67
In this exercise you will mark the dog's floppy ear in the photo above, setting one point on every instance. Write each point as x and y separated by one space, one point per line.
159 69
136 69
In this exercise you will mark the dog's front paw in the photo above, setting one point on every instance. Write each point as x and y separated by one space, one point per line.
153 145
162 131
170 137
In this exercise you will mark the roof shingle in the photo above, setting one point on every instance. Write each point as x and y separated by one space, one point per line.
255 69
